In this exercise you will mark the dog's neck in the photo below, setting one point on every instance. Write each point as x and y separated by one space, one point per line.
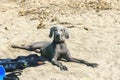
58 42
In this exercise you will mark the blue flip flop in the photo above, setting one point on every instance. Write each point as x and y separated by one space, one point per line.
2 72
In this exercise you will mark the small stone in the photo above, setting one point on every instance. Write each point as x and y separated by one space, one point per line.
86 29
6 28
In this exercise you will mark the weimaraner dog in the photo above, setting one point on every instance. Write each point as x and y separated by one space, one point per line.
56 49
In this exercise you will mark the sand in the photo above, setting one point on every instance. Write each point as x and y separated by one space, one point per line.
94 35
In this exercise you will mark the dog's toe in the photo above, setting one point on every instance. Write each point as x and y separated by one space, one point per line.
12 45
94 65
64 68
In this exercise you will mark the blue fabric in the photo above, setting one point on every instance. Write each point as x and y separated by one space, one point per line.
2 72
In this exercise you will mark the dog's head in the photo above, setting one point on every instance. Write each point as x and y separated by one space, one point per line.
60 33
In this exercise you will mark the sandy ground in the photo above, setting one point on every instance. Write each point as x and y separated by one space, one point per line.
94 36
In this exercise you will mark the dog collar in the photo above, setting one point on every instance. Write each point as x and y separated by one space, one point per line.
58 42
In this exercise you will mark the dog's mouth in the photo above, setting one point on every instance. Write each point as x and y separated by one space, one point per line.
59 39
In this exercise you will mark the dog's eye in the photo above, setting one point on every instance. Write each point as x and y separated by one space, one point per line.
55 30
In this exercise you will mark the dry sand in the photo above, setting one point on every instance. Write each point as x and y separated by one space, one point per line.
94 35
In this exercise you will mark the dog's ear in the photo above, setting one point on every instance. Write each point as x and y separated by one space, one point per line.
66 33
51 32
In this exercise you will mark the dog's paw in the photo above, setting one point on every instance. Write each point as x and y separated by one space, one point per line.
93 65
38 50
13 46
64 68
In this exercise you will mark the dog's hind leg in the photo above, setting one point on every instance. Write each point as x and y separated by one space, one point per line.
23 47
33 47
29 48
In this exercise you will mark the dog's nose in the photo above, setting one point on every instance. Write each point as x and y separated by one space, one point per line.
58 35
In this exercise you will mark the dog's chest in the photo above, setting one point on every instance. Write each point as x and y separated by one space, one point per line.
61 48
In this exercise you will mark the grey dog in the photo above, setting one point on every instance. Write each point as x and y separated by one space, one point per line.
56 49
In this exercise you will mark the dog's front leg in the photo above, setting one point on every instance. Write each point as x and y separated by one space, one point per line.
69 58
59 64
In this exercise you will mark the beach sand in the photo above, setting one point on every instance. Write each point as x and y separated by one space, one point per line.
94 35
